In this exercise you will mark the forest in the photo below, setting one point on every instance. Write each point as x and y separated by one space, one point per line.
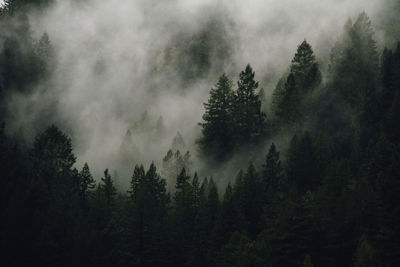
284 166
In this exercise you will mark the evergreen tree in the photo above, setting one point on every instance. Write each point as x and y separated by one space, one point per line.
273 181
183 215
144 237
205 236
303 78
249 120
86 185
108 190
288 109
54 196
249 197
229 221
104 221
301 168
217 139
354 61
305 68
137 178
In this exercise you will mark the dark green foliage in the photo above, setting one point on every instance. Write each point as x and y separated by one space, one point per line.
230 220
145 220
205 238
184 215
249 120
301 164
107 190
352 86
354 63
305 68
249 198
274 184
232 118
104 222
303 78
239 251
217 129
86 185
288 108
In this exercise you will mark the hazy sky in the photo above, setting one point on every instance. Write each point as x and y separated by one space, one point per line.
105 51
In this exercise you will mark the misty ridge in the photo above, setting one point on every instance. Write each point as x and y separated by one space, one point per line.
200 133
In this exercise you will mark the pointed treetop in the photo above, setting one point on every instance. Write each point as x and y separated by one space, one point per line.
303 60
246 80
178 143
182 179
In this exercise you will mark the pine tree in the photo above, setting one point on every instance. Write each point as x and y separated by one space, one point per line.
365 254
354 62
249 120
305 68
216 137
183 215
53 195
137 178
86 185
229 221
273 181
303 78
301 168
249 197
205 236
104 221
144 237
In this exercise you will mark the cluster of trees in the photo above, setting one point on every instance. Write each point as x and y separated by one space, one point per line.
232 118
332 200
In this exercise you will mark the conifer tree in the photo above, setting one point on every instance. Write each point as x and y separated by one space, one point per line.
354 61
205 237
217 139
273 181
86 185
228 222
108 190
249 120
301 167
145 218
305 68
136 180
303 78
183 215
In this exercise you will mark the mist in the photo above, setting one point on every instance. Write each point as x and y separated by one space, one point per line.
112 72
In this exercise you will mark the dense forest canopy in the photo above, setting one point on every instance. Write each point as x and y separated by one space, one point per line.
199 133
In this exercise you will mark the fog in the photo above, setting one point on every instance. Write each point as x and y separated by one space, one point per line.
111 69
